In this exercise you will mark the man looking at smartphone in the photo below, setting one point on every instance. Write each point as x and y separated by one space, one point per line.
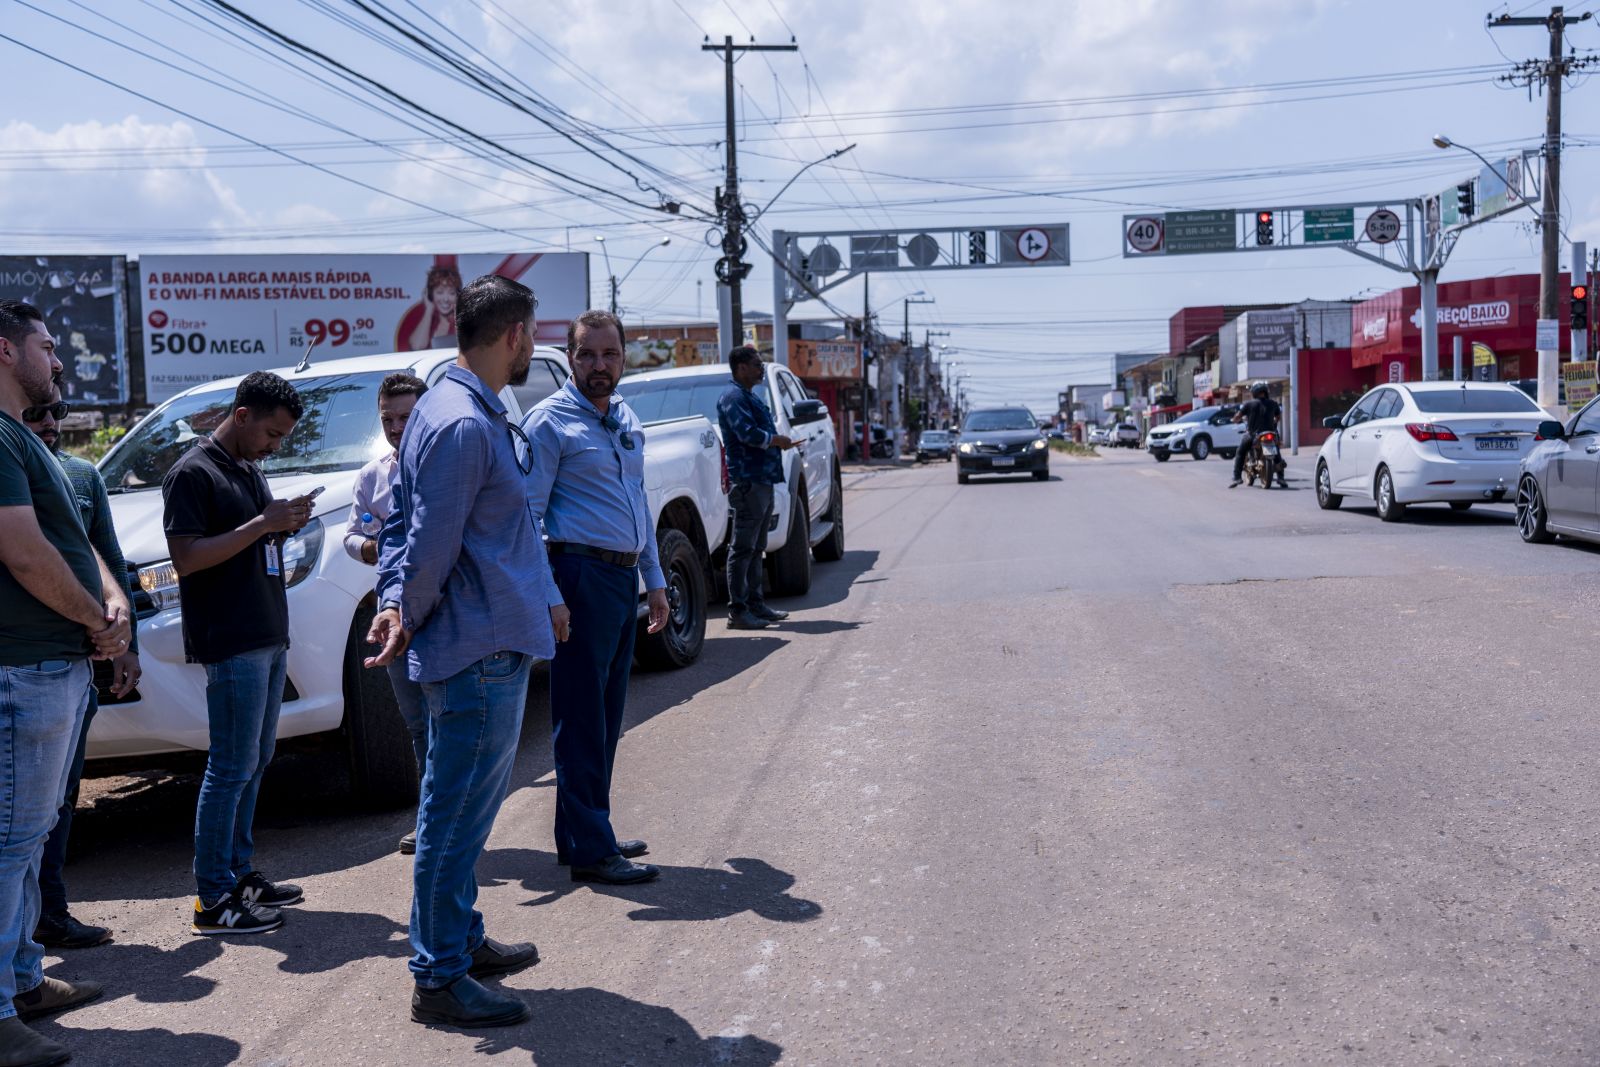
226 534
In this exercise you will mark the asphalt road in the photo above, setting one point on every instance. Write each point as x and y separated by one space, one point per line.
1124 768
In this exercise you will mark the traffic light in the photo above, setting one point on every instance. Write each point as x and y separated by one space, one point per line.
1263 227
1580 307
1466 204
977 246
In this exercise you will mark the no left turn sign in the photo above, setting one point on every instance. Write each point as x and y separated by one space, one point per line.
1033 244
1146 234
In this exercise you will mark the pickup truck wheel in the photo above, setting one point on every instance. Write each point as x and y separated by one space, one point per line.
1201 448
383 765
679 644
831 548
790 573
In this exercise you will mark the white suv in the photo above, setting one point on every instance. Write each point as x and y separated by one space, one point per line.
1199 433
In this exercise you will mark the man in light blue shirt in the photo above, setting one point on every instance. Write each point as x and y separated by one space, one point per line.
463 581
586 484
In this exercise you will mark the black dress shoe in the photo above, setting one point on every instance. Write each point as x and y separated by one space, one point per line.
408 844
467 1005
628 850
744 620
770 614
614 870
492 957
22 1047
63 931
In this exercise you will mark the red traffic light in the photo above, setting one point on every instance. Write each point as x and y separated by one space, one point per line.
1580 292
1263 216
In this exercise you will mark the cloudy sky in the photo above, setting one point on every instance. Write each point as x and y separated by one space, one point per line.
182 125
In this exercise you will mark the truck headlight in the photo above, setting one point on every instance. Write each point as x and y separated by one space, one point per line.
964 449
301 553
160 583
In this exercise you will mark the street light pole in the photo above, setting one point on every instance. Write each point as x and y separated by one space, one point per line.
616 285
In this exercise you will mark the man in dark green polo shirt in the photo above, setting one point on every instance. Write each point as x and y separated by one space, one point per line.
59 604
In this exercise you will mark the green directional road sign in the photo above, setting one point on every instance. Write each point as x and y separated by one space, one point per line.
1201 231
1330 224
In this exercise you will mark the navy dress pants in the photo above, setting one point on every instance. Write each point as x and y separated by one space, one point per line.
588 692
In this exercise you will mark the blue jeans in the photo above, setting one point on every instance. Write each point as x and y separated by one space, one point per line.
588 692
474 722
40 714
752 511
413 710
242 697
52 886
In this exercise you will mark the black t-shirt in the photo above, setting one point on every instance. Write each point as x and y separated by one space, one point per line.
1260 415
31 477
235 606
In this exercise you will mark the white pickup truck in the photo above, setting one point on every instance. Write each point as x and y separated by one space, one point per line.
808 507
330 594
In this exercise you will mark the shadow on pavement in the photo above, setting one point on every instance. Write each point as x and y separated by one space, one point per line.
104 1045
820 626
681 894
591 1027
135 841
830 582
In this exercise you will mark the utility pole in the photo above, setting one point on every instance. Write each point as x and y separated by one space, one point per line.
613 294
1549 74
731 268
866 376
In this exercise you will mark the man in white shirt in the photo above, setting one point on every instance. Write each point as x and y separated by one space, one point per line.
374 499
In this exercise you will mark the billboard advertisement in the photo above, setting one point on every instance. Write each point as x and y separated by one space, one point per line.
209 317
85 307
1269 334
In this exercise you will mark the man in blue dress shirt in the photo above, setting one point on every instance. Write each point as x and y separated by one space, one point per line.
463 583
587 487
755 465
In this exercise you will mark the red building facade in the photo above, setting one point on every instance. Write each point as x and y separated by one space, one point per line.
1498 313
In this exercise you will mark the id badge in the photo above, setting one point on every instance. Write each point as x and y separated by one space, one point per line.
273 568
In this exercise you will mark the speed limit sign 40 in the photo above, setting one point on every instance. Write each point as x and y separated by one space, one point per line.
1146 234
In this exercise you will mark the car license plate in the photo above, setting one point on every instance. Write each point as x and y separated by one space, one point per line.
1497 444
1003 461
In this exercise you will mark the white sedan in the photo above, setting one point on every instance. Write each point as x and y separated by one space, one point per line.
1456 443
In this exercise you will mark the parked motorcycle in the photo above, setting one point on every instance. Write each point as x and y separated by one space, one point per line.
1265 461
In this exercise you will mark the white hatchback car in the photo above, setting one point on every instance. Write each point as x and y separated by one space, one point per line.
1456 443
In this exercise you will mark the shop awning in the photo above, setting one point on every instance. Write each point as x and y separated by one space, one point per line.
1175 409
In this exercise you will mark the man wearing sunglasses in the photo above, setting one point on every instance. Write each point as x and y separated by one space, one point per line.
59 605
57 928
463 586
587 488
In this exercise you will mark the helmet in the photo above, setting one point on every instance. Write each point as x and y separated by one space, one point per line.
1259 389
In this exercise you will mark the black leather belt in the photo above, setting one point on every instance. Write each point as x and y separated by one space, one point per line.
604 555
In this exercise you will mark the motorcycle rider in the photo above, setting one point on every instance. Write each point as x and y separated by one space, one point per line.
1260 415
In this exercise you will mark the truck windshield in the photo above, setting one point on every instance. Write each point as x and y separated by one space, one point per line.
1002 419
678 398
339 431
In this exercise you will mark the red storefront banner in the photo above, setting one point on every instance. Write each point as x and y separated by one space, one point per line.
1498 312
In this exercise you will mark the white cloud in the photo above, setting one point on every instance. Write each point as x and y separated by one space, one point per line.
154 174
